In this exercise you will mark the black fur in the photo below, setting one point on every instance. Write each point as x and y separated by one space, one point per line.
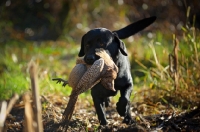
104 38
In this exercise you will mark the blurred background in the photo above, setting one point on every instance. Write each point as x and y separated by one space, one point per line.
166 77
40 20
50 32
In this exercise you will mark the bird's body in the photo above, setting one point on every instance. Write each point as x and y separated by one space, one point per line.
83 77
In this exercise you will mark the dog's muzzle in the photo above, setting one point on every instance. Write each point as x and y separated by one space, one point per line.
89 59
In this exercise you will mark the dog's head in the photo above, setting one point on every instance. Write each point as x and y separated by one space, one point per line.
104 38
100 38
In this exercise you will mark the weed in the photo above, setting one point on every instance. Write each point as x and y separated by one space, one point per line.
177 83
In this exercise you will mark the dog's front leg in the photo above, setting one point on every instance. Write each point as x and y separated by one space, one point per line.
96 93
98 104
100 96
123 105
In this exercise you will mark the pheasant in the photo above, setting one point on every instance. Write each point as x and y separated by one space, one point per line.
83 77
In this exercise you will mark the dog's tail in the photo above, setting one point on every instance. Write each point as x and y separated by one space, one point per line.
135 27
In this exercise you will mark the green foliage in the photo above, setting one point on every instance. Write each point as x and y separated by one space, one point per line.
149 61
55 59
149 56
13 81
189 58
176 90
13 77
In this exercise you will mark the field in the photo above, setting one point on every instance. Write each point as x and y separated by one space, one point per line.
165 69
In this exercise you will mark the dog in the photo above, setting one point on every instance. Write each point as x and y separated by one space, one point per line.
110 41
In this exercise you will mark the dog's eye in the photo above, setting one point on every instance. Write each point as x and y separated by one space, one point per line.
87 45
101 44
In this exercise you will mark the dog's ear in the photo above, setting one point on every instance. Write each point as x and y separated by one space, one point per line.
134 27
121 45
81 52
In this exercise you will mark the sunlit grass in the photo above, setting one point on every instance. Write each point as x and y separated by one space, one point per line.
149 62
55 59
158 84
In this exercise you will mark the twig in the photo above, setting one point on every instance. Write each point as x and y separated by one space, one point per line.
5 110
36 98
173 63
144 121
11 103
176 77
3 114
28 127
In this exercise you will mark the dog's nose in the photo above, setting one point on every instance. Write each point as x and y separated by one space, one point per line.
90 59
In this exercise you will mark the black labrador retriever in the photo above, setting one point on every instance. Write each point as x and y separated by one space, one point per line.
104 38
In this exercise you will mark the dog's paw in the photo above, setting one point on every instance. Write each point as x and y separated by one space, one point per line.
128 120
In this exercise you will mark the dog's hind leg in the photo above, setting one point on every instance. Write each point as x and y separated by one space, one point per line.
107 101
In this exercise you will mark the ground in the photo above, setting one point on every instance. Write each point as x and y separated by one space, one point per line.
84 118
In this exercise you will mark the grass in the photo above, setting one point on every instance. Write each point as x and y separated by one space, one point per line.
160 86
149 61
54 59
176 83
